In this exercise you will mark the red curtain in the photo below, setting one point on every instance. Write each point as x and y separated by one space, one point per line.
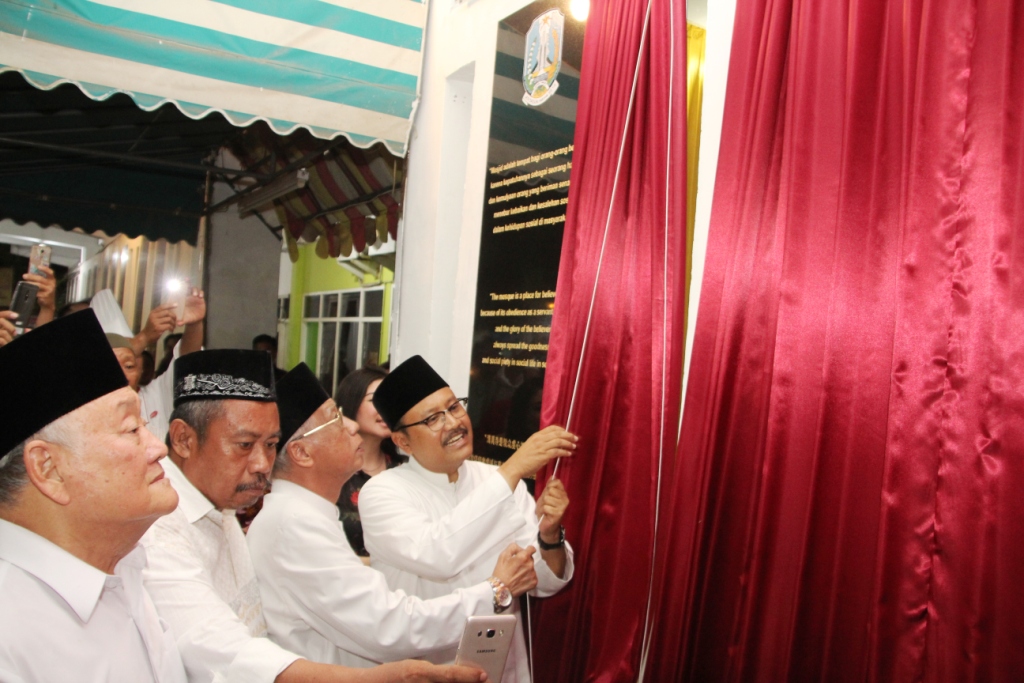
627 394
849 500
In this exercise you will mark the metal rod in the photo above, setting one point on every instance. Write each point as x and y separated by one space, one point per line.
364 199
266 180
133 158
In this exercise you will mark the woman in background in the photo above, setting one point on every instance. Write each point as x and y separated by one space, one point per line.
354 396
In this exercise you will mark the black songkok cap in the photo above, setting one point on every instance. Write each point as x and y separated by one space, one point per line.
224 374
404 387
299 395
51 371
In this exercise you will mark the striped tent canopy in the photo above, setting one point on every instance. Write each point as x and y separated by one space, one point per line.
353 198
333 67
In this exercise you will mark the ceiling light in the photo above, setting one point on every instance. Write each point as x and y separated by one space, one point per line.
579 9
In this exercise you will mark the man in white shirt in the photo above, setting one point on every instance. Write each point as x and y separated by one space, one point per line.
440 521
223 437
319 599
80 483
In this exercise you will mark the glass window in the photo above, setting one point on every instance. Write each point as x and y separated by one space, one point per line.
348 353
327 347
350 304
342 332
374 303
312 309
331 306
371 344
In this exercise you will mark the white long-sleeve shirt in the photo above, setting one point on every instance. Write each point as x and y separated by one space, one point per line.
323 603
429 536
203 583
64 620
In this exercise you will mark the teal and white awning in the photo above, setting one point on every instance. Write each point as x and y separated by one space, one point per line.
336 67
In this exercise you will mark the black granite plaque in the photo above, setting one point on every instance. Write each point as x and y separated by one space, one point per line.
533 119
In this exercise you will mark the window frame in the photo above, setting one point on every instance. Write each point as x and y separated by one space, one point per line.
360 320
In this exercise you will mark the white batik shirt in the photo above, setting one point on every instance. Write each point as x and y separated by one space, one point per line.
203 584
429 536
62 619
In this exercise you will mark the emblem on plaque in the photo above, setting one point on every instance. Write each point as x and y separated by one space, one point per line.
543 57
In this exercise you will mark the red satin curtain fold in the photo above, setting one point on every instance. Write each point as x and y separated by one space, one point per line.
848 503
593 630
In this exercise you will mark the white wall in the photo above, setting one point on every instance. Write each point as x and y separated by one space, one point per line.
241 290
439 238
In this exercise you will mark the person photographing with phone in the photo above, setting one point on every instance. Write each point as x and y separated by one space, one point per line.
41 279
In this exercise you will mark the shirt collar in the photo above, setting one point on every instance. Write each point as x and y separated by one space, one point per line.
282 488
77 582
190 499
434 478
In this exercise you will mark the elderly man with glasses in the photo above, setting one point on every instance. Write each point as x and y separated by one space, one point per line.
223 441
319 599
440 521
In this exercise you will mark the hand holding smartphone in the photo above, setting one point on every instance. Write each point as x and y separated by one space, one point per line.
24 304
486 642
176 292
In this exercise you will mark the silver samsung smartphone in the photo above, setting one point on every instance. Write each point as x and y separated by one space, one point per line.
486 642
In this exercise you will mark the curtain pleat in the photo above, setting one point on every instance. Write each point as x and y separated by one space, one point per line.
629 391
847 502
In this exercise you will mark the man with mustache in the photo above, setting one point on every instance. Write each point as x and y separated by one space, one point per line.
223 440
440 521
319 598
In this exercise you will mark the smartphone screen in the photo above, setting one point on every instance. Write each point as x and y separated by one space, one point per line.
175 292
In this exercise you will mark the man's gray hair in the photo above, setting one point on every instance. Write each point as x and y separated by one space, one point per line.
13 475
282 463
198 415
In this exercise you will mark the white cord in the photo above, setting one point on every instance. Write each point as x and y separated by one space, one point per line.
529 636
593 296
646 646
607 224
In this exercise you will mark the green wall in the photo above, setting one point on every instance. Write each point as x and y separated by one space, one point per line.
311 274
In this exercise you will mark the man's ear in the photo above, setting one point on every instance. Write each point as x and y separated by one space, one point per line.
401 440
183 439
297 454
43 462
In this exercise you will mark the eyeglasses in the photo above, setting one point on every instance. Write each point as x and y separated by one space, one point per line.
314 430
435 421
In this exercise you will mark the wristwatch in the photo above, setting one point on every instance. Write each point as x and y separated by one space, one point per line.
502 595
553 546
